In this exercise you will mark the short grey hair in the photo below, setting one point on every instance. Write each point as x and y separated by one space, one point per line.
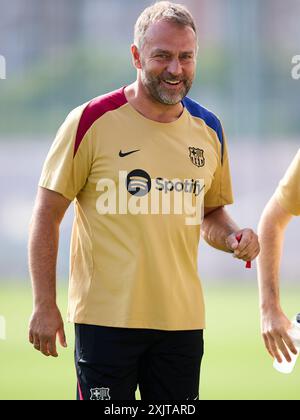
162 10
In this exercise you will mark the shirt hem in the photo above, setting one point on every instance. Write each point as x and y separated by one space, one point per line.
137 324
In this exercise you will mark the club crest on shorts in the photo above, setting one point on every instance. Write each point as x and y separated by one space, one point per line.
98 394
197 156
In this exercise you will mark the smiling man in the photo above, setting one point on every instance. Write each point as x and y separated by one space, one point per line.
135 296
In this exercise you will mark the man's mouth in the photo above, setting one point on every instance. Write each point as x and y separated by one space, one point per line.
173 83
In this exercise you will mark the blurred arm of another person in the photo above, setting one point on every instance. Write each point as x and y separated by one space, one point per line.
274 323
46 321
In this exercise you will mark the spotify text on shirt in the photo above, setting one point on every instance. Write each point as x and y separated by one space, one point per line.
137 193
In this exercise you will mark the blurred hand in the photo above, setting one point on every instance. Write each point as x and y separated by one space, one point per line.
274 328
247 249
45 325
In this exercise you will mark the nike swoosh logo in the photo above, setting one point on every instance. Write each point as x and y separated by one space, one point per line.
121 154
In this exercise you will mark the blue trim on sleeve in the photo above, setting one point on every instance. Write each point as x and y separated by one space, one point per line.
196 110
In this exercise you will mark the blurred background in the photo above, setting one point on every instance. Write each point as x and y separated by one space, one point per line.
61 53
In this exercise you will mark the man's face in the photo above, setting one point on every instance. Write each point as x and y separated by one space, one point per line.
168 60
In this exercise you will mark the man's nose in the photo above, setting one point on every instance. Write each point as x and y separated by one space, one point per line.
174 67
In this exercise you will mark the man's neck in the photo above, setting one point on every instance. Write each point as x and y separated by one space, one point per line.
150 108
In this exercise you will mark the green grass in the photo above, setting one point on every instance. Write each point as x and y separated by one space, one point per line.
235 365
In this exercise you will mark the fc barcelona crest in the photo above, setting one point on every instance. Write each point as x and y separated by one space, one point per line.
99 394
197 156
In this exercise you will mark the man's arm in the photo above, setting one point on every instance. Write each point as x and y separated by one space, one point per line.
274 323
220 232
46 322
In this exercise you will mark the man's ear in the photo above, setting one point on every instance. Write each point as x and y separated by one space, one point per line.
136 57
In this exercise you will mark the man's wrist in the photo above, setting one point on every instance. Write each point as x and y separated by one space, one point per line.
45 305
270 306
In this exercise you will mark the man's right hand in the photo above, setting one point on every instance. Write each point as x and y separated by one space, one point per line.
275 326
45 325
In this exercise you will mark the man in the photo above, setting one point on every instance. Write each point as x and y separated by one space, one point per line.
284 204
135 295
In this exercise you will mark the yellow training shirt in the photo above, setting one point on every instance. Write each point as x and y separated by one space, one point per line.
136 185
288 191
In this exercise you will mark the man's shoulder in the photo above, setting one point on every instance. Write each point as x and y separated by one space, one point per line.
100 105
210 119
199 111
108 101
85 115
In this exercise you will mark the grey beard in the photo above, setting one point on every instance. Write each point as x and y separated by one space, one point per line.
162 97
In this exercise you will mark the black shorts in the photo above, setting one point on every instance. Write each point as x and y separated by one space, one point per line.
112 362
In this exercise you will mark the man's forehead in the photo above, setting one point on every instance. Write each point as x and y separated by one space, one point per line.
168 50
168 36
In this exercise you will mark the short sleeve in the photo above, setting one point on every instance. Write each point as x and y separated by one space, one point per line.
67 167
220 192
288 191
